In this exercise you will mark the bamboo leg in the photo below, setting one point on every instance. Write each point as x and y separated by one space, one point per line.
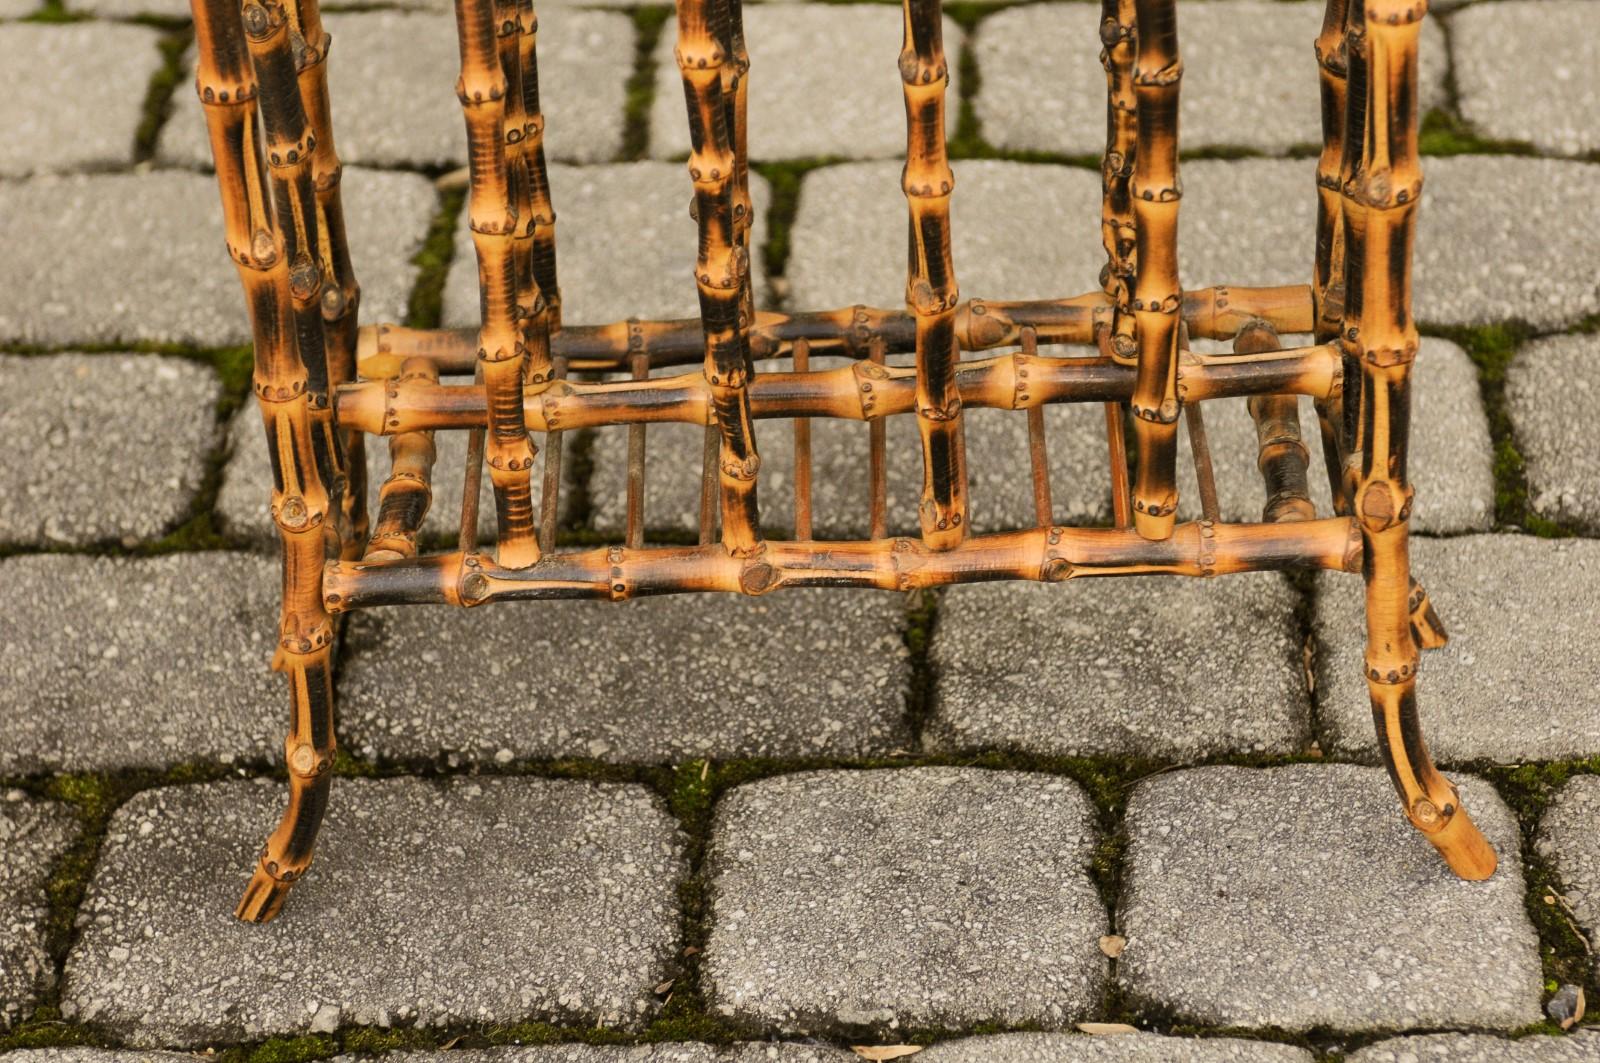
550 496
1327 285
404 499
1118 37
1379 208
722 267
931 292
1281 456
1157 299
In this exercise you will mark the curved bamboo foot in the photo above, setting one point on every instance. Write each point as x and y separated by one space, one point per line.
1426 628
287 855
1462 844
263 898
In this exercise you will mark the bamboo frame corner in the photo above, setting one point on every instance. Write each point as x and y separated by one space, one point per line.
323 383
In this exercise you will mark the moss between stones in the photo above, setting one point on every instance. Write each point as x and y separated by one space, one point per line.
425 307
163 84
648 23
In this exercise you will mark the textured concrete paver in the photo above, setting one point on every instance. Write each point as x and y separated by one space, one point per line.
1253 222
95 1055
801 105
1249 77
152 265
918 897
1019 231
1000 485
1496 45
244 503
1299 897
1516 681
656 1052
74 94
119 663
1583 1046
625 244
33 834
1568 839
406 114
1451 463
432 903
18 8
662 679
1136 667
1136 1047
1549 392
64 485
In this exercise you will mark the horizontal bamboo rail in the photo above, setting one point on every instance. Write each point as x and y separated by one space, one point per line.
1048 555
981 325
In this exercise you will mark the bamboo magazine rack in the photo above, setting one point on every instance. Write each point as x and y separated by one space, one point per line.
324 383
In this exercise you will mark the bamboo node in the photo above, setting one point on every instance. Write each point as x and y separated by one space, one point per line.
758 577
259 22
913 71
1389 357
474 587
264 249
1056 569
304 278
1167 75
1392 675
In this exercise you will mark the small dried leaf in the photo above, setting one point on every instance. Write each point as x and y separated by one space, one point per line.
878 1052
663 987
1113 944
691 950
448 1045
1105 1029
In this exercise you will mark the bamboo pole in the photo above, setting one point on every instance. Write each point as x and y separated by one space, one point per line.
1157 298
1379 215
1327 284
1119 40
483 91
538 291
931 292
406 494
1281 456
720 268
230 74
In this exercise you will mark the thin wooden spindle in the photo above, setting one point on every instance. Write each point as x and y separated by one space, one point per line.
1327 285
550 493
1117 447
634 537
931 292
877 460
1157 297
1205 473
802 453
710 448
539 294
1038 452
483 90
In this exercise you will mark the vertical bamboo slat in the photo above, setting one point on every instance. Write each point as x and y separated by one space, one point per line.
550 495
931 292
538 292
1157 298
1281 455
406 495
1380 197
1118 38
1327 284
802 453
483 91
722 266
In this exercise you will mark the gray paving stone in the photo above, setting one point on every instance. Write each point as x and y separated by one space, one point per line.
110 663
244 502
918 897
1267 102
74 94
406 114
432 903
997 449
1516 681
1252 222
164 9
18 8
663 680
1582 1046
1137 1047
1497 44
1240 884
657 1052
1128 667
625 243
850 104
1567 838
152 265
54 491
1451 461
33 835
94 1055
1547 392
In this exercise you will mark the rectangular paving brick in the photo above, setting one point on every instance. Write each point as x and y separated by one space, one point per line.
1496 45
1581 1046
1252 221
1451 463
1548 394
33 835
432 903
802 673
1568 840
153 265
1516 681
625 245
56 414
851 104
109 663
1133 1047
1122 667
945 897
406 114
1300 898
74 94
1249 77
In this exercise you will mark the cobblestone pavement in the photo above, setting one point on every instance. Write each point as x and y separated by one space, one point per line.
684 831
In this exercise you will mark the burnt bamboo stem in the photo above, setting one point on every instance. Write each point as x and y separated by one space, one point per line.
472 484
1281 455
1379 204
931 291
1119 47
538 291
1327 285
483 90
405 496
877 447
550 494
634 534
1205 474
1157 298
1117 448
1038 451
802 453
